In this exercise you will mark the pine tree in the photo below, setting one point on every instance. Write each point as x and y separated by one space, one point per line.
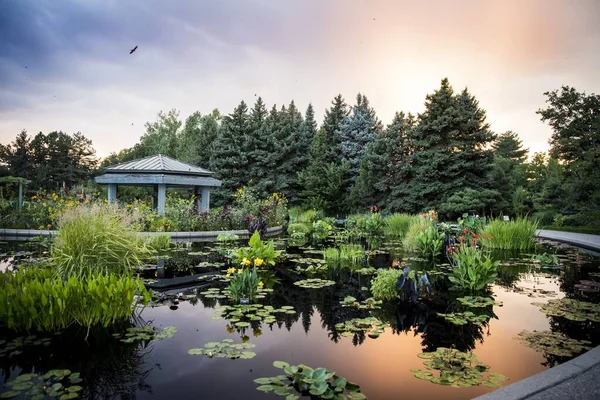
305 138
334 117
508 145
17 155
229 159
288 150
260 145
355 133
450 148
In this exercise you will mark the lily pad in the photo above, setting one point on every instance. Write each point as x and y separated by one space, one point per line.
225 349
554 343
314 283
571 309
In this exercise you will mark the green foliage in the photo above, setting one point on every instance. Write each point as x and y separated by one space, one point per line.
478 301
299 229
145 333
368 304
571 309
160 242
418 226
57 383
314 283
181 213
36 298
471 270
553 343
372 326
549 260
456 369
227 238
430 242
100 238
225 349
397 225
481 200
518 234
257 249
353 254
319 383
331 255
464 318
384 284
320 230
244 285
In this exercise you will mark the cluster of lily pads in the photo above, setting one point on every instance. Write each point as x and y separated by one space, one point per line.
300 380
58 383
224 293
15 346
371 325
571 309
368 304
225 349
553 343
464 318
478 301
310 269
145 333
456 368
240 314
314 283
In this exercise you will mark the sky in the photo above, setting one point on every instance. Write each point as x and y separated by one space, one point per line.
65 64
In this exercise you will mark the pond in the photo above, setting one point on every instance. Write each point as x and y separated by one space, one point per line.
301 325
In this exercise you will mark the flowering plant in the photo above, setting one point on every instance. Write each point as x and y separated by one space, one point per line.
244 284
257 253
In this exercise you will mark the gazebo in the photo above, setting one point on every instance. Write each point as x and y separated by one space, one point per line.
160 172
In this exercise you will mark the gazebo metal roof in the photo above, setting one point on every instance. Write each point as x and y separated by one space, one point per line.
158 164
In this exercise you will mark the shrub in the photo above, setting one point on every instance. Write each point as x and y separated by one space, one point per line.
181 213
331 255
299 229
36 298
397 225
518 234
100 238
384 285
410 240
471 271
320 230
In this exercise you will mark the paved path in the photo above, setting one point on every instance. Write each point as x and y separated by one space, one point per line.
577 379
590 242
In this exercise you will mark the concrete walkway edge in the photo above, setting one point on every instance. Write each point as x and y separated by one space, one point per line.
548 379
583 240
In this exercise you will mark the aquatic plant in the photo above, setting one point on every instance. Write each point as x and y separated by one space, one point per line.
241 315
367 304
321 230
160 242
16 345
227 238
37 298
418 226
58 383
546 260
314 283
456 369
370 325
478 301
225 349
244 283
310 270
145 333
397 225
464 318
571 309
257 249
518 234
352 253
99 238
430 242
553 343
302 380
331 255
383 285
471 270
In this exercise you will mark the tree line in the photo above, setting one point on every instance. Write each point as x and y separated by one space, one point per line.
446 157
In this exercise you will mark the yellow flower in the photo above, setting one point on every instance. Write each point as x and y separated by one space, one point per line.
245 261
228 275
260 284
258 262
230 271
44 204
240 271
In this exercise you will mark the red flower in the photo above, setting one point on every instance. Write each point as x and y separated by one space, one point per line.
476 236
466 230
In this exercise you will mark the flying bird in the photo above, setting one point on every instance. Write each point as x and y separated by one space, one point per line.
132 50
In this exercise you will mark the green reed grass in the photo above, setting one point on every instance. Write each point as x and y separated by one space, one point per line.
397 225
418 226
518 234
331 255
352 253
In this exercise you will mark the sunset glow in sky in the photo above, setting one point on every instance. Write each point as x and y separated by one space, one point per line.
65 65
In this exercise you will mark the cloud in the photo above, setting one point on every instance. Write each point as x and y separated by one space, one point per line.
200 55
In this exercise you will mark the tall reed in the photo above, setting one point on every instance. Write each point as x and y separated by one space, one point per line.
418 226
397 225
518 234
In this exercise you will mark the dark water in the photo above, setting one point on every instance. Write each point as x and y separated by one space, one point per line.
164 369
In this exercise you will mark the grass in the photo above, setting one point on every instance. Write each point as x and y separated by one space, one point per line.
397 225
352 253
418 226
98 238
332 255
518 234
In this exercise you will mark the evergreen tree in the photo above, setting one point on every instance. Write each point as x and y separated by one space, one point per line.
508 145
289 138
196 139
17 155
450 148
229 160
334 117
260 147
305 138
356 131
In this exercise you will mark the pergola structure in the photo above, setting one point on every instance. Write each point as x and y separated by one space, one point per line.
160 172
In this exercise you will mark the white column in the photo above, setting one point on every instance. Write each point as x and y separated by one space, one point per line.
20 194
162 198
205 205
112 192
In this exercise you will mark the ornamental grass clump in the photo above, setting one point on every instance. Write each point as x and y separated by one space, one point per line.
397 225
99 238
518 234
418 226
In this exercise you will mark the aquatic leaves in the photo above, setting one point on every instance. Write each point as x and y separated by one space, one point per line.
571 309
57 383
554 343
478 301
311 269
145 333
225 349
371 325
241 315
308 261
456 369
302 380
314 283
368 304
216 293
15 346
464 318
